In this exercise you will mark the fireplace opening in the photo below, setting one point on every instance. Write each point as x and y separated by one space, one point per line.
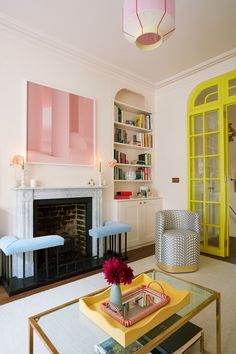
70 218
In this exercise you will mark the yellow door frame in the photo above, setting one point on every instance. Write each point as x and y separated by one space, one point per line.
212 95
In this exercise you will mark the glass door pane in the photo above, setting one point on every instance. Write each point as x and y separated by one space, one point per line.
211 121
212 144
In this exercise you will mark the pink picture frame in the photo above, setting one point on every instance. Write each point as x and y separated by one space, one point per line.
60 127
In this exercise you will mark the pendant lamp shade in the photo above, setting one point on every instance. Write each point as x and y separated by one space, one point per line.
146 23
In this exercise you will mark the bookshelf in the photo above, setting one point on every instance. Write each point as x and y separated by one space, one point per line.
133 151
133 143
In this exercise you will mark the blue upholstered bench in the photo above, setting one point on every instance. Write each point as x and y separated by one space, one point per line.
111 230
11 245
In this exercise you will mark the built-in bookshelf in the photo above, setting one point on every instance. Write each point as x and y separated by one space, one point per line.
133 143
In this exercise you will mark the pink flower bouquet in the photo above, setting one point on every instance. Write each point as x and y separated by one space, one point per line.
18 160
117 272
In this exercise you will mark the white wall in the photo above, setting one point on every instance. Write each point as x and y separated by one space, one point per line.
25 59
171 133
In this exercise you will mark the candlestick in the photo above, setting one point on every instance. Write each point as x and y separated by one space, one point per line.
100 166
100 179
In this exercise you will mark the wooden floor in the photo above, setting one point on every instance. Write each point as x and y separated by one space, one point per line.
133 255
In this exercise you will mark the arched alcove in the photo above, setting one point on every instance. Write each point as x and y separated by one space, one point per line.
131 98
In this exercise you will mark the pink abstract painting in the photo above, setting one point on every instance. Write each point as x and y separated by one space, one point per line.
60 127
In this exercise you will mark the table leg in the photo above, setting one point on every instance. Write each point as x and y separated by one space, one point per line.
31 339
218 325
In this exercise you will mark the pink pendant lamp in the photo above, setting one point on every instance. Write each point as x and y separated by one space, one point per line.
148 22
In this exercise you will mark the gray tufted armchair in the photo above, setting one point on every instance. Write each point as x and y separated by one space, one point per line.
177 245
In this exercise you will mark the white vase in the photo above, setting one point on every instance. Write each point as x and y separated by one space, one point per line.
22 178
116 296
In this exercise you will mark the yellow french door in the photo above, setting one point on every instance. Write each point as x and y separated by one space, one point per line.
208 160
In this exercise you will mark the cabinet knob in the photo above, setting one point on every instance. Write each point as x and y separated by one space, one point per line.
144 203
140 203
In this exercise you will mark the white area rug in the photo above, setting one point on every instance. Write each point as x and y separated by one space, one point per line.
218 275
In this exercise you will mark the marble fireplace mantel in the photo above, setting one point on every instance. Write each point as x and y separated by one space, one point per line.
25 197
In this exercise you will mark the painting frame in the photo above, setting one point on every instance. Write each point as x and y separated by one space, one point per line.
60 128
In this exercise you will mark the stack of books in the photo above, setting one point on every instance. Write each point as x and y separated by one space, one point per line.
180 341
123 195
177 343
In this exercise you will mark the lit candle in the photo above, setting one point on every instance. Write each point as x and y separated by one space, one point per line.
100 166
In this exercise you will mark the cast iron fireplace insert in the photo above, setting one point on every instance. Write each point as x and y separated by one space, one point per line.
70 218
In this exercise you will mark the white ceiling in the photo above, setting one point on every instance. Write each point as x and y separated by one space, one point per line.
204 29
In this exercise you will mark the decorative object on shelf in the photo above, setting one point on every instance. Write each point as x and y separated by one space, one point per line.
130 175
112 163
91 182
33 183
117 272
144 191
148 23
123 195
18 161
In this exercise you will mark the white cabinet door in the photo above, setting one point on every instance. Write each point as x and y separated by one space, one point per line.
147 213
140 214
128 214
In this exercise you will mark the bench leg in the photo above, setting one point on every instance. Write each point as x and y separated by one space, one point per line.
105 245
35 254
57 256
2 254
126 245
114 243
119 245
23 268
7 269
46 262
10 272
109 242
97 251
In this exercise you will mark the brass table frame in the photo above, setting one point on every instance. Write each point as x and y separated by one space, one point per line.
34 326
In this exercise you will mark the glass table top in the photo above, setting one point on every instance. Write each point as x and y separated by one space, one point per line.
70 331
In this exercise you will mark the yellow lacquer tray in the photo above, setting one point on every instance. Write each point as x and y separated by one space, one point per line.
91 307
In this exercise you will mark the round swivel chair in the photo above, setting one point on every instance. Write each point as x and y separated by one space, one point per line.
177 244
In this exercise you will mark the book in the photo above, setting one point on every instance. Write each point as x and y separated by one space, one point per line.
110 346
124 193
122 196
179 341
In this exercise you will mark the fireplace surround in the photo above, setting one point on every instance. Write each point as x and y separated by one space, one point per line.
26 200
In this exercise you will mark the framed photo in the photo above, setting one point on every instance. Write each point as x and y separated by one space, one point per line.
60 127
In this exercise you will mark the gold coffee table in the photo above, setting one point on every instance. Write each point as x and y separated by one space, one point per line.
66 330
